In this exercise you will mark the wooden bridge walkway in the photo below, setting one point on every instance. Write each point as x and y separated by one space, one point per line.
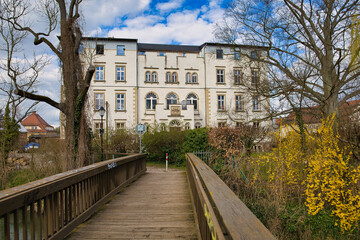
156 206
97 202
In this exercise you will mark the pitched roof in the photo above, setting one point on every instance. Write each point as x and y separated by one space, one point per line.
35 119
167 47
312 115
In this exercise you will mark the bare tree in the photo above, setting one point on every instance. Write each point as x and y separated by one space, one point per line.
308 59
66 15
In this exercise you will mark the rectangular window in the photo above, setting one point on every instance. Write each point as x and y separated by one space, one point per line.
253 55
220 76
161 54
99 49
239 106
99 101
120 101
221 102
219 54
256 106
120 73
221 124
237 55
120 50
254 77
142 53
120 125
99 73
81 49
238 77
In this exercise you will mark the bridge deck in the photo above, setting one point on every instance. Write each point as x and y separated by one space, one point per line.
156 206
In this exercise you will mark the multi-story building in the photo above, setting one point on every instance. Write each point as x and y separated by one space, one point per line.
174 86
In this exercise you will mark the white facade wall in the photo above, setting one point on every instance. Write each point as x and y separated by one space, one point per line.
203 63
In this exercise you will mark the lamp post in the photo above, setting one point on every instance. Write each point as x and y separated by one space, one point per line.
102 113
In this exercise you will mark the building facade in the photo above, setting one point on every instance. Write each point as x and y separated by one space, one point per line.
173 86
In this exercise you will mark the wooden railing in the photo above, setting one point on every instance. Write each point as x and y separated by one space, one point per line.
219 212
52 207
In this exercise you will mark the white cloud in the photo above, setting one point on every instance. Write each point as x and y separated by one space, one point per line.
169 6
186 27
106 13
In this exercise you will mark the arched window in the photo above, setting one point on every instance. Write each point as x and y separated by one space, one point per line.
174 77
171 99
187 126
154 77
194 78
192 99
168 77
188 77
151 100
197 125
147 76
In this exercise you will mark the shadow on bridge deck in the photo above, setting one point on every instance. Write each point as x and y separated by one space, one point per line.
156 206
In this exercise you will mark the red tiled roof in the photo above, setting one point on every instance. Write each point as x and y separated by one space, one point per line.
313 114
35 119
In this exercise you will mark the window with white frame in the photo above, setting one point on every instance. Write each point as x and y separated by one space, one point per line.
194 78
120 50
192 99
120 125
238 76
239 105
171 99
221 124
147 76
120 101
254 77
168 77
120 73
99 73
99 101
174 77
188 77
221 102
151 101
197 125
154 76
220 76
256 104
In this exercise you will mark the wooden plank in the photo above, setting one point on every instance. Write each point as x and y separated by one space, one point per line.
156 206
233 214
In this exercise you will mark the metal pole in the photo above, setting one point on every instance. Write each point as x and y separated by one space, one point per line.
140 141
167 162
101 139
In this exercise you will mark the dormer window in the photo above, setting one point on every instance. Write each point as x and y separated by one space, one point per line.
99 49
219 54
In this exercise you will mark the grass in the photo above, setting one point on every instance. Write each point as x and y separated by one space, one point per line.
162 164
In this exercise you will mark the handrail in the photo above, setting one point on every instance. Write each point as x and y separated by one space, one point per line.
52 207
220 213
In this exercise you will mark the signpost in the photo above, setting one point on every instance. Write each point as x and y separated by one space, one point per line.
140 129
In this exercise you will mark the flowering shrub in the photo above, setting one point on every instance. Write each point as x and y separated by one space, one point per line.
331 181
323 174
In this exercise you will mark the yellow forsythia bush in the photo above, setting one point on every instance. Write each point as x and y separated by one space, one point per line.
331 181
323 173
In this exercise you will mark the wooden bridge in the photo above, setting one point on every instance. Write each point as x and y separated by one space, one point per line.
122 199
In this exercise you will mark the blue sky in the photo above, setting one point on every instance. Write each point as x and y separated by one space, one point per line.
189 22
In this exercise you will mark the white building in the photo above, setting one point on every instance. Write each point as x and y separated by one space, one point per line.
173 86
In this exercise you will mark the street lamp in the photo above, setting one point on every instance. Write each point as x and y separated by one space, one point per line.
102 113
